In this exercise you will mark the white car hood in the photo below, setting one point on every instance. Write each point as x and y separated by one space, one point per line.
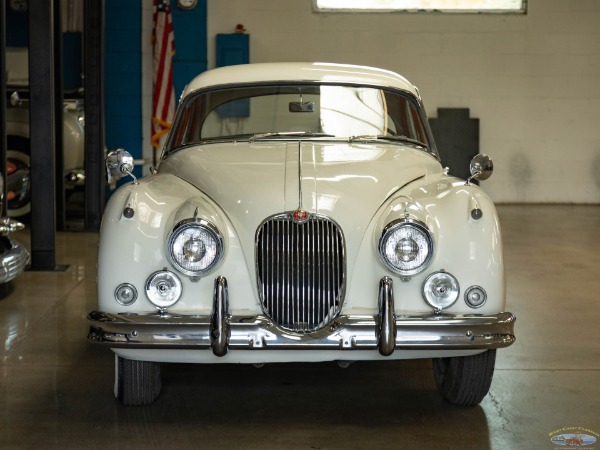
345 181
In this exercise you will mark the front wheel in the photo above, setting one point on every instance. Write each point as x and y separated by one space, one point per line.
465 380
136 382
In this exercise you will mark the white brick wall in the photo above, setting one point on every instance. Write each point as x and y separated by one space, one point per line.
533 80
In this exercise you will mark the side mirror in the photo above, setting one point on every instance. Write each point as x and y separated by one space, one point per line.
481 168
119 163
15 99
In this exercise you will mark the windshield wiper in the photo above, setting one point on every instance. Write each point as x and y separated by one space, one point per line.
389 137
256 136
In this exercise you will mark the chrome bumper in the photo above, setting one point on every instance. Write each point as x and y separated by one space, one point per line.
384 332
13 262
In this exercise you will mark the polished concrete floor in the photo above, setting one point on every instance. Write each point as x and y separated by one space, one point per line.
56 390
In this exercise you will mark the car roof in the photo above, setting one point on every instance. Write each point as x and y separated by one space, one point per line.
300 72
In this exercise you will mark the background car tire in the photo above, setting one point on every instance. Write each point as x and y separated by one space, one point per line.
136 382
18 151
465 380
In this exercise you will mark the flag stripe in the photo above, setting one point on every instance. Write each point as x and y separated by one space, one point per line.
163 96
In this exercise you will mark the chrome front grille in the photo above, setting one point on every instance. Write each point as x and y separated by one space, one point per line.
301 271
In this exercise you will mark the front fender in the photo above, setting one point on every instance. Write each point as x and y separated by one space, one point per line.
469 248
133 245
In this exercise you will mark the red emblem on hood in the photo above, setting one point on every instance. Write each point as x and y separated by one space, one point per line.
300 215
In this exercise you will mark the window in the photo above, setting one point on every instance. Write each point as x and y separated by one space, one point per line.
445 6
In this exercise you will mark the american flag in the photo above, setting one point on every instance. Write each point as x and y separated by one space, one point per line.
163 98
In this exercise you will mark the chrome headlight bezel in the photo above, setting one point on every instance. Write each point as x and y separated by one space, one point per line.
407 226
210 231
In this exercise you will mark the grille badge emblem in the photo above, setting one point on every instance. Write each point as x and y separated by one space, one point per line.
300 216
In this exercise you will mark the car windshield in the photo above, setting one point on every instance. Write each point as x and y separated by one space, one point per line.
293 110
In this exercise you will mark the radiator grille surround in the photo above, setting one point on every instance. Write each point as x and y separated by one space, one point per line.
301 271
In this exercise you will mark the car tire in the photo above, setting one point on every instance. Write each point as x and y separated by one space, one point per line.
18 152
136 382
465 380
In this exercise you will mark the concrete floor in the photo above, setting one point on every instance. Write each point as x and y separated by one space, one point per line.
56 390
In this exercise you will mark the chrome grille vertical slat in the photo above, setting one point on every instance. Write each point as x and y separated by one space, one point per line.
321 264
334 265
328 268
286 278
262 260
296 281
275 299
300 271
305 258
311 281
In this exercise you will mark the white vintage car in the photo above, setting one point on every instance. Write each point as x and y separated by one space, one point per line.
18 153
300 213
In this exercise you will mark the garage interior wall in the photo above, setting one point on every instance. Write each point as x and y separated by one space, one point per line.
532 80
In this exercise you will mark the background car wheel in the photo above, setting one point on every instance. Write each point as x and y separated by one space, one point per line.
18 177
136 382
465 380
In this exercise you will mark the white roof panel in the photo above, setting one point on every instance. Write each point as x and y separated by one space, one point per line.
299 72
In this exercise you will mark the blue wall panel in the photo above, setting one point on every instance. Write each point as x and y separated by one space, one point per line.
17 27
72 60
123 76
233 49
190 44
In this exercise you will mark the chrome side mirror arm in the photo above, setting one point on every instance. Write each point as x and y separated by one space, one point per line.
119 164
481 168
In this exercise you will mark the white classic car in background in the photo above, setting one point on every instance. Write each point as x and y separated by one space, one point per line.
300 213
17 135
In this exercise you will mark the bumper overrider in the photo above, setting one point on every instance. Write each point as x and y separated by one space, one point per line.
221 331
13 261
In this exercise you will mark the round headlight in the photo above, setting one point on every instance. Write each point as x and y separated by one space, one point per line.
195 247
441 290
163 288
406 246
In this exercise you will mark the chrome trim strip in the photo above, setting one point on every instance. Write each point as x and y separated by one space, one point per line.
300 175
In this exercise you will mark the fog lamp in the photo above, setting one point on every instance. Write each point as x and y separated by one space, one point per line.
163 288
440 290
